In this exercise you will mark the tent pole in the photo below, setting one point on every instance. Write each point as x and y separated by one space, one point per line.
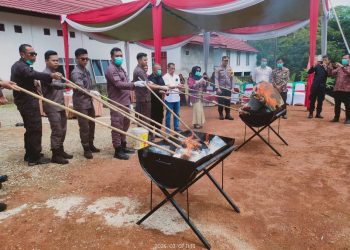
66 47
127 56
324 30
157 30
206 46
314 7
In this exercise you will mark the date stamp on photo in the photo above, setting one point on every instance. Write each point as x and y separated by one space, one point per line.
174 246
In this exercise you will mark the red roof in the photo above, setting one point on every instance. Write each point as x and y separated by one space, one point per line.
57 7
225 42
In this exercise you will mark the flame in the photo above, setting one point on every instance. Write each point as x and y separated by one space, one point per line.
267 94
206 139
190 144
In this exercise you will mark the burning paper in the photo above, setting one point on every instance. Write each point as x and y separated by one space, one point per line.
160 151
215 144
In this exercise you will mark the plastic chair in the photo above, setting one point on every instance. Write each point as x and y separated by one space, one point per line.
299 94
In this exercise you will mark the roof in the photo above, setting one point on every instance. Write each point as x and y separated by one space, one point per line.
221 41
57 7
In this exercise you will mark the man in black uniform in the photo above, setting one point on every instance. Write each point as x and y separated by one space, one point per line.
53 91
318 87
157 111
24 75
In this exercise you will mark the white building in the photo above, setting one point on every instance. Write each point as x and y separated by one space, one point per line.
43 31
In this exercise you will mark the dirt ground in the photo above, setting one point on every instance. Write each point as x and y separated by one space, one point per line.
298 201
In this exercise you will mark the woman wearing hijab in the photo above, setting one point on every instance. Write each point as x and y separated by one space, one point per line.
196 82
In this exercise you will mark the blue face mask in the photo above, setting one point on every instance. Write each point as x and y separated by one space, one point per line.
159 72
118 60
29 62
198 73
263 64
280 65
345 62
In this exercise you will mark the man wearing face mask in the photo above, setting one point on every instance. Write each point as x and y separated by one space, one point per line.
53 91
262 73
224 80
24 75
118 89
83 103
280 79
342 88
157 111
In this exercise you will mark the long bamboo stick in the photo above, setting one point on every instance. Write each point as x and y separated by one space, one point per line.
233 92
16 87
198 97
141 115
171 111
124 113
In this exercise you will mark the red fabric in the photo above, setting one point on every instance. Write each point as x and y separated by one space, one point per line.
167 41
262 28
66 47
192 4
157 32
314 5
107 14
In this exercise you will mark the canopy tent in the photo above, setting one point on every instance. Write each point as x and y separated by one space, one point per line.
168 23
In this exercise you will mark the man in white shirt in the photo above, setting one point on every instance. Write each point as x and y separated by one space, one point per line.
172 100
262 73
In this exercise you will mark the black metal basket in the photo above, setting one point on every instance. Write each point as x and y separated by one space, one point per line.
170 172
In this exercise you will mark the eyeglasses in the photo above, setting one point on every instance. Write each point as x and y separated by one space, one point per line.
33 53
84 59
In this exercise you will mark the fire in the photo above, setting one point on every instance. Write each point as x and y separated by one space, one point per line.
267 94
190 144
206 139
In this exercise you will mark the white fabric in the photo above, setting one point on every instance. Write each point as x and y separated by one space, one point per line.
84 28
169 47
171 80
299 97
299 87
268 34
248 89
223 9
261 74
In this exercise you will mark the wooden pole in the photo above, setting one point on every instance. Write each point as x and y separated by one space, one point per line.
16 87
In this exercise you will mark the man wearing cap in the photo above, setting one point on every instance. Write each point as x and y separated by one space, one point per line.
318 87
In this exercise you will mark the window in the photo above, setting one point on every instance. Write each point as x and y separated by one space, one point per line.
187 52
247 60
2 27
238 58
246 73
72 34
59 33
238 73
105 64
99 68
18 29
47 32
90 38
228 53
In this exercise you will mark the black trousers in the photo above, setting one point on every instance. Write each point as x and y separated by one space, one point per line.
284 97
342 97
58 124
32 136
157 112
225 102
86 127
318 94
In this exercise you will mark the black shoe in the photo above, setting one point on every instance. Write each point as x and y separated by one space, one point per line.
3 207
221 117
126 149
87 152
310 116
57 157
347 122
26 157
3 178
40 161
94 149
229 118
335 119
178 130
319 116
120 154
64 154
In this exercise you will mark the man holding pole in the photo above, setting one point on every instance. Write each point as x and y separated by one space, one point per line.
224 81
118 88
83 103
24 75
53 91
